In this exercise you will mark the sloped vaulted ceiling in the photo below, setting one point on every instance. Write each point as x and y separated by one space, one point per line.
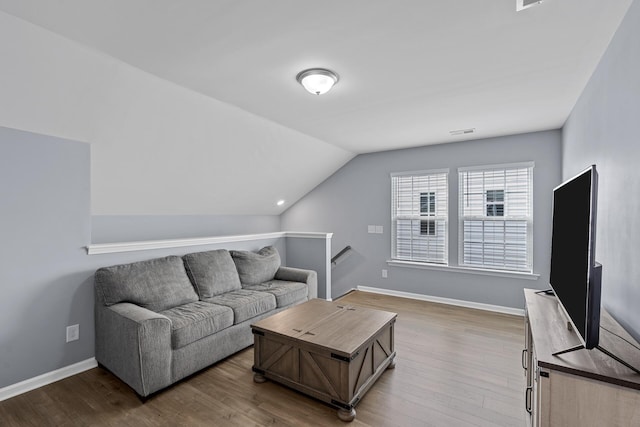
157 148
192 107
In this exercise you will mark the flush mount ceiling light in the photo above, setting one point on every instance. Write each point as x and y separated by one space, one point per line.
280 202
317 80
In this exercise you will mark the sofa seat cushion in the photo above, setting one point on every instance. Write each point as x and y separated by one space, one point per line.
157 284
212 272
245 303
196 320
256 268
286 293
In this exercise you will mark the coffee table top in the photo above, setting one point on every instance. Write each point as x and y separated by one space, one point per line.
340 327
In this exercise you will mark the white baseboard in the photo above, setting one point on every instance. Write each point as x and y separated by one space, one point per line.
343 294
46 378
450 301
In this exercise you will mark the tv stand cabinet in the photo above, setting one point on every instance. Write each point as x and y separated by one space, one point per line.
581 388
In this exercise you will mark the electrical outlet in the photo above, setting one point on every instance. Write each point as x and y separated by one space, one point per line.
379 229
385 273
73 333
371 229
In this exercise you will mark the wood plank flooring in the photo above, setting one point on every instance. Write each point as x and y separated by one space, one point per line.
455 367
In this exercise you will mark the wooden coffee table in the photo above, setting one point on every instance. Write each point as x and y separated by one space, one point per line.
330 351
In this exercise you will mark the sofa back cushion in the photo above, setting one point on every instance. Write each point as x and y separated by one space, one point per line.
212 273
157 284
256 268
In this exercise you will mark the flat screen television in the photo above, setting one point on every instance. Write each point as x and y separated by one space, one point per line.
575 276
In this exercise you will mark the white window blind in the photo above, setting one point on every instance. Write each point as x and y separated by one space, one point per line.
419 216
496 217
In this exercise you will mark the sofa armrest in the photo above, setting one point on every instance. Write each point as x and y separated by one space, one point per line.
291 274
135 344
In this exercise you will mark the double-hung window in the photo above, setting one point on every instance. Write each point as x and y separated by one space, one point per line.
496 217
419 211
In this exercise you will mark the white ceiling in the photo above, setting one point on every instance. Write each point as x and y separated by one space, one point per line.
411 70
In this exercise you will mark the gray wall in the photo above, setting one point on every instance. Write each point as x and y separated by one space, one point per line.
602 130
359 194
310 254
46 276
45 202
126 228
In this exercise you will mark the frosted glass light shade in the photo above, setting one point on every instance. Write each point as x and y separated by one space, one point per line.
317 80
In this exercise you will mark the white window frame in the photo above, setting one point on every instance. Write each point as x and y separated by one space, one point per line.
439 216
527 218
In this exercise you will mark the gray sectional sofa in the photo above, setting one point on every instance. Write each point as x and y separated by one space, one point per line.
160 320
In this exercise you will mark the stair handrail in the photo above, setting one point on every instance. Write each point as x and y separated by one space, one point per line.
340 254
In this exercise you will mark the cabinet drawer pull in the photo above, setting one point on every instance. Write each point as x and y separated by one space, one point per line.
527 399
524 358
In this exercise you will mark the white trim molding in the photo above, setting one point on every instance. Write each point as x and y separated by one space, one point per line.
109 248
448 301
46 378
328 266
466 270
421 172
307 234
498 166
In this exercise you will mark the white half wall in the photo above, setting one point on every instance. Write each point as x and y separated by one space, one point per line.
156 148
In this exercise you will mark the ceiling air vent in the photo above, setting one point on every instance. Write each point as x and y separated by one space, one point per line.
525 4
462 131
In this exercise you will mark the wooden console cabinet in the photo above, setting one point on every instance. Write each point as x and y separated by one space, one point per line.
581 388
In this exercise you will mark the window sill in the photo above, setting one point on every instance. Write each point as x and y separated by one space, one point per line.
467 270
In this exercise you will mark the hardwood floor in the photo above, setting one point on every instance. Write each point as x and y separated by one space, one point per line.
455 367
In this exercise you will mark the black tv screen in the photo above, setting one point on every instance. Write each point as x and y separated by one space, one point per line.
575 276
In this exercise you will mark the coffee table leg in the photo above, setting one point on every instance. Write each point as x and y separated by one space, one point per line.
392 364
258 378
346 415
